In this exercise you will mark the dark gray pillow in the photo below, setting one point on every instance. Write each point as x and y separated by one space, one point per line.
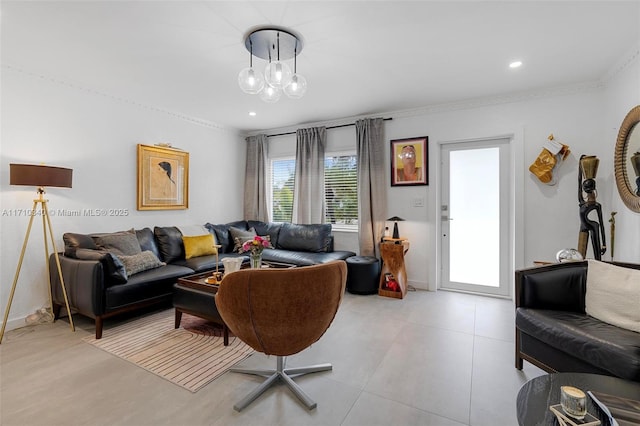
169 240
73 242
140 262
221 232
270 229
147 241
113 267
239 236
119 243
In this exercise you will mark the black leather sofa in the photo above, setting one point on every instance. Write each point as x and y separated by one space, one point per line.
554 332
97 289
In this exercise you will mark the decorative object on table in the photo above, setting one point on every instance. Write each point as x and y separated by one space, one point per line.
627 159
393 276
573 402
569 255
395 220
549 160
587 171
163 178
409 161
231 264
612 233
255 248
39 176
273 44
216 276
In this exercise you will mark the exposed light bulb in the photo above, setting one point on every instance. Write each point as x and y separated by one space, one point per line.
297 88
250 81
270 94
277 74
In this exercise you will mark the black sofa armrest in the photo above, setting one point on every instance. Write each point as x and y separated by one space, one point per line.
560 286
84 282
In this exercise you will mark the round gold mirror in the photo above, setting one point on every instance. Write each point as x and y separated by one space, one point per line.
627 160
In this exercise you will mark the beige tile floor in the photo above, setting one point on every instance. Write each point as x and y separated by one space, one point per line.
433 358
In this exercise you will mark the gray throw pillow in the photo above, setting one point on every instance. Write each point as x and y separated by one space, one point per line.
119 243
239 236
140 262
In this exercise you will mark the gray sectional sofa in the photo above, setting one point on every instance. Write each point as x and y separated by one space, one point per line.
97 268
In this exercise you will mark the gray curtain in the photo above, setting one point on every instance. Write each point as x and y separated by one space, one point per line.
308 194
372 188
255 178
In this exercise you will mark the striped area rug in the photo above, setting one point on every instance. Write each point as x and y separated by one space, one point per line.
191 356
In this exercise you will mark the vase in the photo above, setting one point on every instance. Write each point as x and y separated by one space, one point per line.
256 260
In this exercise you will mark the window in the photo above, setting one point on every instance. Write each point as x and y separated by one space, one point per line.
341 189
282 174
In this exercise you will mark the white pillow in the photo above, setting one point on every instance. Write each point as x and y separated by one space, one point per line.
613 294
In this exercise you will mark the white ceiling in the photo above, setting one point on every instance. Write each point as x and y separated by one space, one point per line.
360 58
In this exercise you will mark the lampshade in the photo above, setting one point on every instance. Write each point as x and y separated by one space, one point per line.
40 176
395 219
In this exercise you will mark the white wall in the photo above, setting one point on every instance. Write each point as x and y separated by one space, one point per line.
547 219
48 122
622 94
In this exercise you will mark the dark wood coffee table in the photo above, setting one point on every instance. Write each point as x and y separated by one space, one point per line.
535 396
193 295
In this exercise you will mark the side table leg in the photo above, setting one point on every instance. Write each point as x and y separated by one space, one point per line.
225 332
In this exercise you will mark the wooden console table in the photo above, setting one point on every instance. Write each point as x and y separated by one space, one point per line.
393 277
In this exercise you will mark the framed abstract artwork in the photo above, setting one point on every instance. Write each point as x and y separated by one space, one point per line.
409 161
163 178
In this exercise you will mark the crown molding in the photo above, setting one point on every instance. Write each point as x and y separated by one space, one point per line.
626 61
93 92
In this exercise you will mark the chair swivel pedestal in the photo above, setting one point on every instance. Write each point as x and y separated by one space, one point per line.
280 373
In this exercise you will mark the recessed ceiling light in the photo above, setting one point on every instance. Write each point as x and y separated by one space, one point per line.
252 113
515 64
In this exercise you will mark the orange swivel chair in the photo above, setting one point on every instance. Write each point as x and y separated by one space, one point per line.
281 312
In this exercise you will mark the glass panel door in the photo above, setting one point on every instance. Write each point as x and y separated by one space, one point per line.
474 213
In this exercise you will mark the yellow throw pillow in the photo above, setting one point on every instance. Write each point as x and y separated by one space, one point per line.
200 245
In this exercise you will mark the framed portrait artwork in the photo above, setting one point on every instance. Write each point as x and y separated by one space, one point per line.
163 178
409 161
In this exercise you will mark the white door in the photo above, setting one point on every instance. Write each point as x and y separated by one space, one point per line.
475 233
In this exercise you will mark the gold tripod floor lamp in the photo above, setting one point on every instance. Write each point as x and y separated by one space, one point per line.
39 176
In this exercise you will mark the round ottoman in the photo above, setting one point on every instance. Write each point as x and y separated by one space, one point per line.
363 273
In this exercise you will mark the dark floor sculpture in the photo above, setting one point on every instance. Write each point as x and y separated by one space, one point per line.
587 171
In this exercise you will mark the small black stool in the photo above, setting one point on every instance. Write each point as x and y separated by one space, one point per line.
363 273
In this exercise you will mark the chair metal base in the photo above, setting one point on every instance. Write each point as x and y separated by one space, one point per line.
284 374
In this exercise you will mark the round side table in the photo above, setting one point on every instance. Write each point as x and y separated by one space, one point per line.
535 396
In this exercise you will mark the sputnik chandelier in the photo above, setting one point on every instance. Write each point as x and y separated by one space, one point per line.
274 45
